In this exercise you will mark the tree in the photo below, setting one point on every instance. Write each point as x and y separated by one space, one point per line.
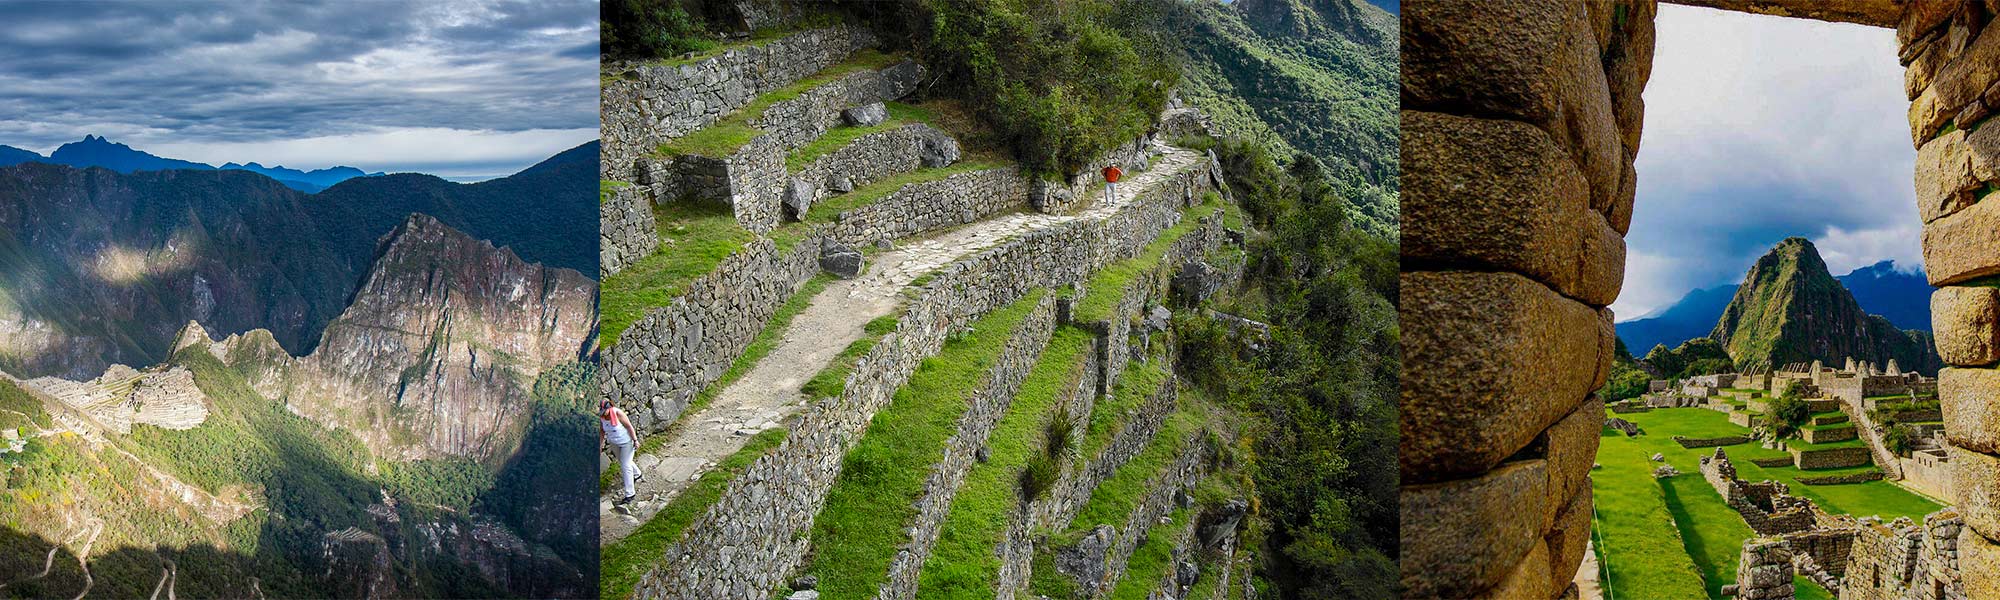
1788 413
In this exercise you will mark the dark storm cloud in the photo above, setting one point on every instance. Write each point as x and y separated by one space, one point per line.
204 77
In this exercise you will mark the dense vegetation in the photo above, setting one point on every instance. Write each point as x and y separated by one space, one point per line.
1699 356
1322 392
1627 380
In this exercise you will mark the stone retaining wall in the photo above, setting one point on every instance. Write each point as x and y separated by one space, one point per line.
1691 443
1074 192
1826 435
752 179
626 230
987 405
1830 458
1904 560
1174 583
869 158
956 200
671 354
746 542
644 105
1172 488
1017 549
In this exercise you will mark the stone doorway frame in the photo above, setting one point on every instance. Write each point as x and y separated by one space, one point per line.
1520 122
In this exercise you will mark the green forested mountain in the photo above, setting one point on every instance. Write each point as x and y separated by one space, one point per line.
1312 76
1790 309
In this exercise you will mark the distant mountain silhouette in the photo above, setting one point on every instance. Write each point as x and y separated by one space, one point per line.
10 155
1902 297
96 151
1690 317
1881 289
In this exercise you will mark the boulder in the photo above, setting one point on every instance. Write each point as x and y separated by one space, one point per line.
1221 522
840 260
799 198
840 184
808 582
866 115
937 150
1085 562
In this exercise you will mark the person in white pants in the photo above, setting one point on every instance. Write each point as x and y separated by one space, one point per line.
618 431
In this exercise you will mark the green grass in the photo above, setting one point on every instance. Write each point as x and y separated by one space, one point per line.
1138 382
766 341
877 190
1640 549
1805 446
694 238
624 561
18 409
1113 500
832 380
606 187
725 136
1150 560
900 114
1108 285
962 563
861 527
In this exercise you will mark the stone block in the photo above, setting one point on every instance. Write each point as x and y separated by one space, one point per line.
1462 537
1923 16
1965 245
1970 399
1505 358
1976 478
1628 64
1497 59
1953 167
1621 213
1979 564
1529 580
1504 195
1966 321
1572 448
1960 82
1569 537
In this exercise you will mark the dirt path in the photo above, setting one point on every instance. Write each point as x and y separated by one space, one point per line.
1587 585
769 393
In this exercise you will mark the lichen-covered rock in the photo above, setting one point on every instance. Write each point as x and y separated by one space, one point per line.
866 115
799 198
840 260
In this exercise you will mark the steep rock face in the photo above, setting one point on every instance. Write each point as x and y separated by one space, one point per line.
98 267
444 340
1790 309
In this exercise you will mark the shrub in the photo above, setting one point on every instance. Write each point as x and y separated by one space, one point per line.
1900 439
638 29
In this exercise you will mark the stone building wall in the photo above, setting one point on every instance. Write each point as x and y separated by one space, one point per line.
643 105
626 230
1764 571
1520 122
671 354
1904 560
748 540
1949 51
987 405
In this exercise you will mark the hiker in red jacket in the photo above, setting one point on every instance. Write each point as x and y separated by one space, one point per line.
1111 175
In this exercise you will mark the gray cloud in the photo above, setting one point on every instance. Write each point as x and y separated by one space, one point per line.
1760 128
208 77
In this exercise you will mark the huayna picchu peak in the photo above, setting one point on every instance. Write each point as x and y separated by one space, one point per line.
1790 309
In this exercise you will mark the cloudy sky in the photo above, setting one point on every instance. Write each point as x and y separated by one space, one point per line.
1760 128
465 90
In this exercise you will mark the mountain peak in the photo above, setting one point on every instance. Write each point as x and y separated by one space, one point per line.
1790 309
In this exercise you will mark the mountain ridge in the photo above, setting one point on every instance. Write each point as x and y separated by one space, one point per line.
1882 289
98 151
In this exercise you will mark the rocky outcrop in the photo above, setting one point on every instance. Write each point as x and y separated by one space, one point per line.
436 354
1790 309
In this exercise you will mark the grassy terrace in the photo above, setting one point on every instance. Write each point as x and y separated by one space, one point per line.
624 561
724 137
1138 382
694 237
861 527
900 114
1102 293
963 564
874 192
1629 517
1151 559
